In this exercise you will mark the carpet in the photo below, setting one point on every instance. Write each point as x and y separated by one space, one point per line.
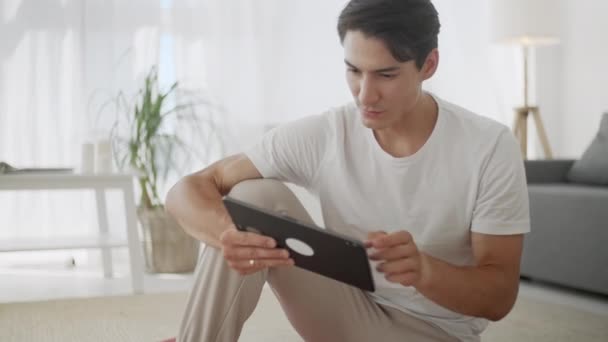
155 317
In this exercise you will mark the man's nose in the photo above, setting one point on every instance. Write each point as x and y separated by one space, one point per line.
368 94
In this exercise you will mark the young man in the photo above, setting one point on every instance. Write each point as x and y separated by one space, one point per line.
438 194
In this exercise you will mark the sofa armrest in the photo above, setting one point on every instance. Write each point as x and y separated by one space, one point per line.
547 171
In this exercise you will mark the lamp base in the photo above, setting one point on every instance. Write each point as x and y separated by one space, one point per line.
520 129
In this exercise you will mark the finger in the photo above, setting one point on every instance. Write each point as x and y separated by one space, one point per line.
246 270
372 236
246 265
394 253
256 269
229 231
406 279
375 234
399 266
247 253
226 221
394 239
235 237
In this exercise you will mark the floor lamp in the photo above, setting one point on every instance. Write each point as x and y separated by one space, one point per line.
527 24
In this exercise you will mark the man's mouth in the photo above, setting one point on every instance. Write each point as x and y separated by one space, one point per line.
372 113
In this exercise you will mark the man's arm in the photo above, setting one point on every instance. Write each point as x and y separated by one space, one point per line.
196 200
487 290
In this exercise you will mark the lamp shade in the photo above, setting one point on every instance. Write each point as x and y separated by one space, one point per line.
525 22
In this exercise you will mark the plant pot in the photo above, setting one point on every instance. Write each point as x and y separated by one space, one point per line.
167 248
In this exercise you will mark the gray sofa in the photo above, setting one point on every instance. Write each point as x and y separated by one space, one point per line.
568 244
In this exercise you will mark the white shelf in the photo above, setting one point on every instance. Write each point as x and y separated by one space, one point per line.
82 242
49 181
99 183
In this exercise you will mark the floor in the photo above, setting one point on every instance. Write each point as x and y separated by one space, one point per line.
74 274
55 275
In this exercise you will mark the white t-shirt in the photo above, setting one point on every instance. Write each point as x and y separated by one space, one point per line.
467 177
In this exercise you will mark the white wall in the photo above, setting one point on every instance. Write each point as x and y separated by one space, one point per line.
573 77
473 72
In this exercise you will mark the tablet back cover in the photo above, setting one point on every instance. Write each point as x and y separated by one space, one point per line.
335 256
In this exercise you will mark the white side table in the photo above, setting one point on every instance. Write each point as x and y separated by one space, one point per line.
104 241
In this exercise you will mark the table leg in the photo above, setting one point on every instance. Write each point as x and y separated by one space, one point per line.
135 253
102 223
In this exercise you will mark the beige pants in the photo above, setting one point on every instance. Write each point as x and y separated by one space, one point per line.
320 309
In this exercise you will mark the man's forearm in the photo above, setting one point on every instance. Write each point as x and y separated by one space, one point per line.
481 291
196 204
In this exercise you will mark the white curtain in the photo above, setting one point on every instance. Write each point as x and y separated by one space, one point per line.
264 62
259 62
59 62
40 106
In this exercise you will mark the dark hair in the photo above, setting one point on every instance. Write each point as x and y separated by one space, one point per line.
409 28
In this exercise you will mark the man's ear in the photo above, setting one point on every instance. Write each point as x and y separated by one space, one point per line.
430 65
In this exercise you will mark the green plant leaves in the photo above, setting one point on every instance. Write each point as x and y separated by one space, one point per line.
150 148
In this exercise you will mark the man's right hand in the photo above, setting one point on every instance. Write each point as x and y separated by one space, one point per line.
248 253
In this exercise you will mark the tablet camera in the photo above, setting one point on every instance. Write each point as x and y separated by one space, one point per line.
299 247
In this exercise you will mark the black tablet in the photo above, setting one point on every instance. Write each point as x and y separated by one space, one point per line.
318 250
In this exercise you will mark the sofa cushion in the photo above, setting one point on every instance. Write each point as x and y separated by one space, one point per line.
569 230
579 193
592 168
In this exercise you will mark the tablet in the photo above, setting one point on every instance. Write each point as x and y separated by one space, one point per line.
315 249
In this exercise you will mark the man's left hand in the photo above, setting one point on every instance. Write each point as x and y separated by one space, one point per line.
400 260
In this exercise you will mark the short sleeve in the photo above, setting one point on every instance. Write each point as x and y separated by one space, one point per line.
293 152
502 204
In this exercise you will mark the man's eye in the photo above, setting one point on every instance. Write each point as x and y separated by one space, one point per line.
354 71
388 75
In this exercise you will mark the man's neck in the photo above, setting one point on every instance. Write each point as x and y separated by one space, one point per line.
410 134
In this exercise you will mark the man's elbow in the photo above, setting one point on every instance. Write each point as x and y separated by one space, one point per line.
500 310
497 315
172 198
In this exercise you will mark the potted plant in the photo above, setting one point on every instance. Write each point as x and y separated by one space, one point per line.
145 141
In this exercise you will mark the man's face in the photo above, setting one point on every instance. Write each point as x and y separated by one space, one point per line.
385 90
